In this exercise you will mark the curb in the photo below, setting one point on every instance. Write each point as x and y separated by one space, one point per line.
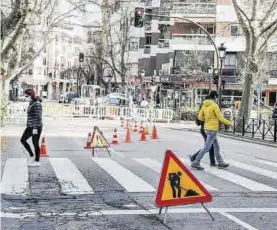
245 139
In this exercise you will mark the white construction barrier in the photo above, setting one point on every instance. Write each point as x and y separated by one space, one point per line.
61 111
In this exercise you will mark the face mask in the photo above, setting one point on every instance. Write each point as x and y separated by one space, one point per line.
29 99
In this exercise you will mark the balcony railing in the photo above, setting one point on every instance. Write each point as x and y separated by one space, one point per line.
163 43
192 39
193 8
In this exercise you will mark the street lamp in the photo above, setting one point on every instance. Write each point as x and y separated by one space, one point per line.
222 54
210 72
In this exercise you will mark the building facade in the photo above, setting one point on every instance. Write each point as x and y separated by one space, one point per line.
181 56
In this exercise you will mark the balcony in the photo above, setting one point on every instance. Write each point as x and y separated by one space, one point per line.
147 49
193 39
163 43
186 9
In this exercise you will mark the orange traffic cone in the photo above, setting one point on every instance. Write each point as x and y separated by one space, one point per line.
122 123
154 133
143 135
141 128
146 129
115 140
88 141
128 136
43 151
136 127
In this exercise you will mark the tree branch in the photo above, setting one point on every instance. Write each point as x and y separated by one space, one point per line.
272 8
268 27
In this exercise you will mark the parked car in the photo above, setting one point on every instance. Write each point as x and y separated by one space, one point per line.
81 106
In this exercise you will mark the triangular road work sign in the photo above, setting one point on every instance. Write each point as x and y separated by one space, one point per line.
98 140
178 186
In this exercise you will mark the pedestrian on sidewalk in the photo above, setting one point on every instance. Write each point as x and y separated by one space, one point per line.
202 131
211 115
34 127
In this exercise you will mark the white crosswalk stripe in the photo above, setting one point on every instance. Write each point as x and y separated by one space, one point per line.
269 163
261 171
127 179
70 178
236 179
15 177
157 167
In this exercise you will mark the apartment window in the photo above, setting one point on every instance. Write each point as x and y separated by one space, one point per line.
133 45
44 49
30 72
230 61
148 39
234 30
62 61
45 71
47 21
210 29
44 61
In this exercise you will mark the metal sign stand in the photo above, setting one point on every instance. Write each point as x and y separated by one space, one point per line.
166 210
207 211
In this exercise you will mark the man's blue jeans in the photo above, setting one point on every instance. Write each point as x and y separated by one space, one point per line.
211 140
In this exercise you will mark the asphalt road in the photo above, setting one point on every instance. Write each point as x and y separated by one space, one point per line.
73 191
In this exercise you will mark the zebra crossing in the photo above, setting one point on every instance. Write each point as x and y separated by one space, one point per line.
133 179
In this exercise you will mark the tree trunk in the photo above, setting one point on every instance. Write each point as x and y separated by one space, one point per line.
246 102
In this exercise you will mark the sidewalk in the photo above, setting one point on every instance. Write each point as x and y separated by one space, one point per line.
191 126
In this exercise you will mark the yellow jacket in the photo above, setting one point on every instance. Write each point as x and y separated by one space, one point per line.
211 115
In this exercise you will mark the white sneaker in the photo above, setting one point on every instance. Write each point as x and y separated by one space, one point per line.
34 164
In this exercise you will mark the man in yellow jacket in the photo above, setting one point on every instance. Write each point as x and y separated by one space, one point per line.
211 115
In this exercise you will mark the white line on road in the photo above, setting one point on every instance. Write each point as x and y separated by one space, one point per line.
273 164
130 181
149 212
15 177
157 167
238 221
261 171
236 179
71 179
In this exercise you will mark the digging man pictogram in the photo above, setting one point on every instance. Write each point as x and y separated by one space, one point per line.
175 180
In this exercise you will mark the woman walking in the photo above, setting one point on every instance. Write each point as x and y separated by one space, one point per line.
34 127
211 115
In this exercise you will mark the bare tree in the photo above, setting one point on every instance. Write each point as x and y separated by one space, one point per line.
23 22
117 40
258 21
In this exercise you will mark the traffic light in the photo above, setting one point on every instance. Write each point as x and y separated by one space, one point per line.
81 57
153 80
139 14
